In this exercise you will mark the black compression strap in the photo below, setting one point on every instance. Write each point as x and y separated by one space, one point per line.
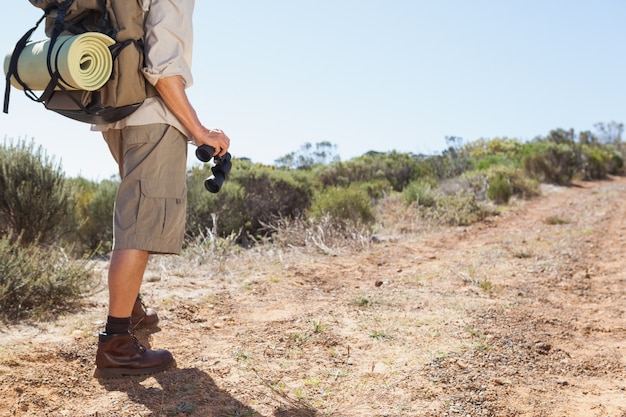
12 72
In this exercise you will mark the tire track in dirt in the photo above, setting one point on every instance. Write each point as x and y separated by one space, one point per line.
554 344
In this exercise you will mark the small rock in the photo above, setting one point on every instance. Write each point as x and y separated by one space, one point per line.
543 347
502 381
561 382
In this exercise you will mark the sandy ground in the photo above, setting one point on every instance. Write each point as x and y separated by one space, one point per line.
520 315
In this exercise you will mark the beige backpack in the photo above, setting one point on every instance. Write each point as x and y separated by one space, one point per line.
123 90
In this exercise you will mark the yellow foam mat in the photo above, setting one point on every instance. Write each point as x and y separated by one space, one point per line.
83 61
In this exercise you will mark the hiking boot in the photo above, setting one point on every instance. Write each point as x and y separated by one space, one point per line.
122 354
142 317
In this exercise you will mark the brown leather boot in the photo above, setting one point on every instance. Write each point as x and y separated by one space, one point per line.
142 317
122 354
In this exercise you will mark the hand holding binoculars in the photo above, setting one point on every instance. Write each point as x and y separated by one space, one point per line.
220 170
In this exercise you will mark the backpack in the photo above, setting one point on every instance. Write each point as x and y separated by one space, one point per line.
125 90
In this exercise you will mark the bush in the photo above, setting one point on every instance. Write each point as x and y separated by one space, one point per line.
552 162
499 184
252 196
397 169
499 190
452 162
35 198
36 282
272 193
94 203
616 164
346 207
456 210
482 148
599 161
595 162
497 152
376 189
420 192
223 213
492 161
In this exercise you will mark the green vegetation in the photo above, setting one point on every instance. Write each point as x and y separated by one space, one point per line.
94 205
37 281
345 206
49 223
36 201
253 196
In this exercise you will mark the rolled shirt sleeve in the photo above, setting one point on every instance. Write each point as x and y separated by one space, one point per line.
168 40
168 43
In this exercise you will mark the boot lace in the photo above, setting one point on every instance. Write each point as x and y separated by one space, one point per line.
138 344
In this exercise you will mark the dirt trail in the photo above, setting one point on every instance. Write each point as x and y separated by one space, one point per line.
522 315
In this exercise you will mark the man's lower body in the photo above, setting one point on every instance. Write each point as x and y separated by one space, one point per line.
149 218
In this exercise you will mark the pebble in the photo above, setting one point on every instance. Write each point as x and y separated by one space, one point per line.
543 347
502 381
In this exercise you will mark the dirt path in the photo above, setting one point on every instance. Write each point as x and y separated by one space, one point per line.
522 315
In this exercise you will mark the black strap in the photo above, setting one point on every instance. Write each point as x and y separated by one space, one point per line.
59 24
12 72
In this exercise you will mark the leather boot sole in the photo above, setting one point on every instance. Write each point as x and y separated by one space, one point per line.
109 373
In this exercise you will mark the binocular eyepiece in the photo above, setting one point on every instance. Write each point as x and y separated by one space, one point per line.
220 170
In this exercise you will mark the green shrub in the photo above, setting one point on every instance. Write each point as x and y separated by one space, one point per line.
397 169
595 162
223 213
35 198
37 282
491 161
94 203
346 207
616 164
499 189
552 162
452 162
274 193
252 196
500 147
499 183
599 161
376 189
460 209
231 211
420 192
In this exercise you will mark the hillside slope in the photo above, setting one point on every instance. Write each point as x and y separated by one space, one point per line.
522 315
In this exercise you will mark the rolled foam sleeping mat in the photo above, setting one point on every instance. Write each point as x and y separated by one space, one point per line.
83 61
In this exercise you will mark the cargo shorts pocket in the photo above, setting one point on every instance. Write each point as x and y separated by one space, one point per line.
162 208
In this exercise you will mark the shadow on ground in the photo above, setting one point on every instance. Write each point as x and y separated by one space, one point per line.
179 392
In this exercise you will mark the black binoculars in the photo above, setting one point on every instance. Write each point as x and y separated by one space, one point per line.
220 170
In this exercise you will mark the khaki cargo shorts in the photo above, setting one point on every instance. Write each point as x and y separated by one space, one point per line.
151 202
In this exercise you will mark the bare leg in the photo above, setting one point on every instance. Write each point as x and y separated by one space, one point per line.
125 275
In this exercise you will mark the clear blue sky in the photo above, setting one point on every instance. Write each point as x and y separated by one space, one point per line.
372 75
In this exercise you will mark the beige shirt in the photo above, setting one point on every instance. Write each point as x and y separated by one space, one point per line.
168 43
